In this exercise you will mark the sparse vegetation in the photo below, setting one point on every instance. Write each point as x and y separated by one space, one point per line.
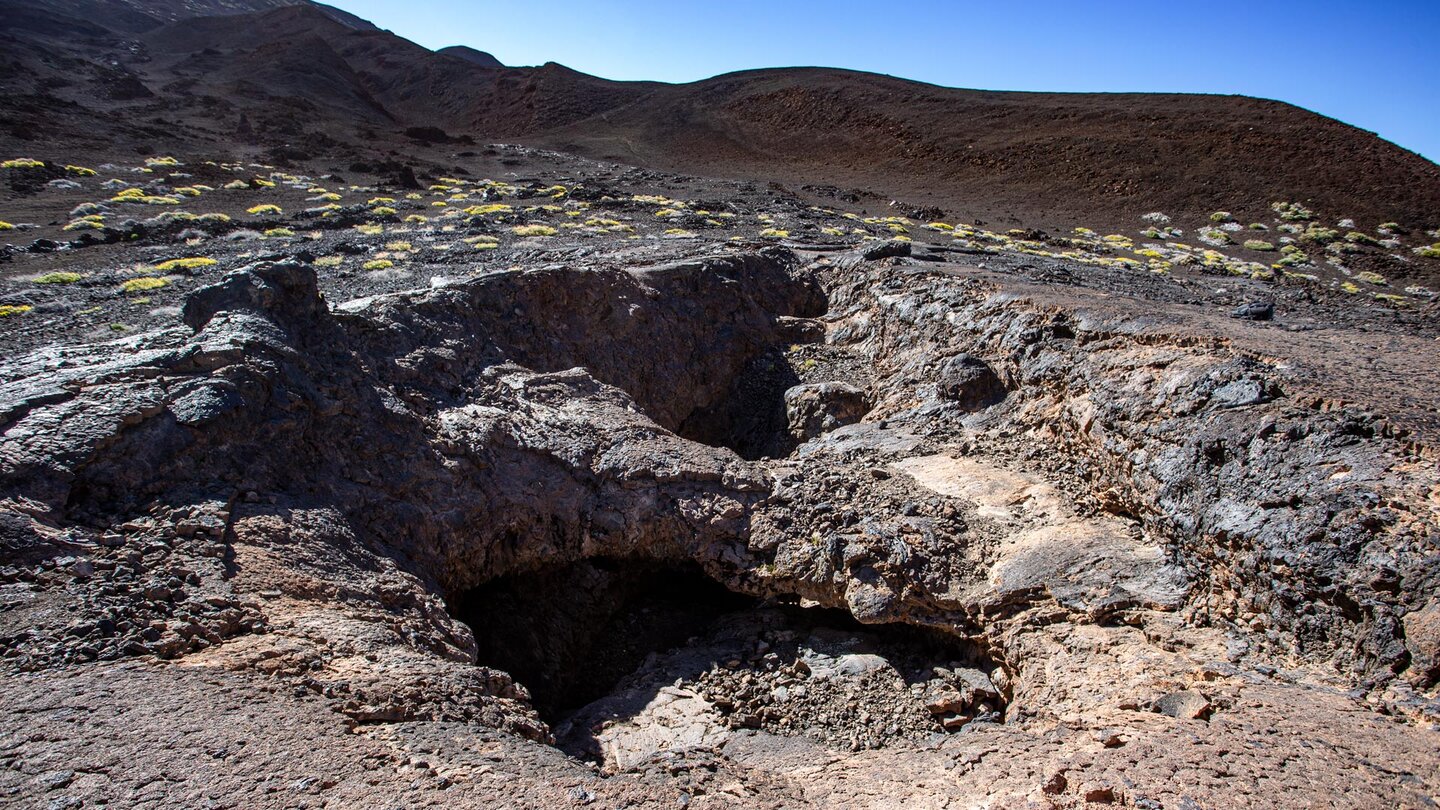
188 263
378 264
142 284
1319 235
138 195
264 209
490 208
23 163
1258 244
774 233
60 277
533 230
1214 236
6 310
1292 211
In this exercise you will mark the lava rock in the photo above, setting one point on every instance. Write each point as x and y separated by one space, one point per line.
885 250
1186 705
816 408
969 382
1255 311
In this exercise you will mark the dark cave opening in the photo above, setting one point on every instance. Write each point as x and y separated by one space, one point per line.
569 634
575 634
751 418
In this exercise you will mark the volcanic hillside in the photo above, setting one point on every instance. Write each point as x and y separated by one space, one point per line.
159 77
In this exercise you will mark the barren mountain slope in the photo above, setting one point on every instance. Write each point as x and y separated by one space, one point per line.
1021 159
1104 158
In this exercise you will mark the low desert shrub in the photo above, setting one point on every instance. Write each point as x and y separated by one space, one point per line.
1319 235
61 277
142 284
1292 211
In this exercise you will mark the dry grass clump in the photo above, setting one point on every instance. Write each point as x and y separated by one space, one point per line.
61 277
142 284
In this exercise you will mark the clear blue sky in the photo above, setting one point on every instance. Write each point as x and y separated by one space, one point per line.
1373 64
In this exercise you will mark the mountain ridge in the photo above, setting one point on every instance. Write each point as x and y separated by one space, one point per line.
1022 157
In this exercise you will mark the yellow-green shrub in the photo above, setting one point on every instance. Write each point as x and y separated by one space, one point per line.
143 283
61 277
189 263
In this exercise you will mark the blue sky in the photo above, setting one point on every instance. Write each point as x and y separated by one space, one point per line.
1375 65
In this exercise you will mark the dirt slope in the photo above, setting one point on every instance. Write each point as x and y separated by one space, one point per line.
1095 157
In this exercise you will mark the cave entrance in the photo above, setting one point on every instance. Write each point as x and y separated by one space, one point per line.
751 418
570 634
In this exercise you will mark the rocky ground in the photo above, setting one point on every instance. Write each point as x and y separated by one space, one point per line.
541 482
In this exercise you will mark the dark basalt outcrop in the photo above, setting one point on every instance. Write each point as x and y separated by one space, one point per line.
316 496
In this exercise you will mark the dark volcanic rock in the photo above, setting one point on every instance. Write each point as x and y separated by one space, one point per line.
1256 311
969 382
816 408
